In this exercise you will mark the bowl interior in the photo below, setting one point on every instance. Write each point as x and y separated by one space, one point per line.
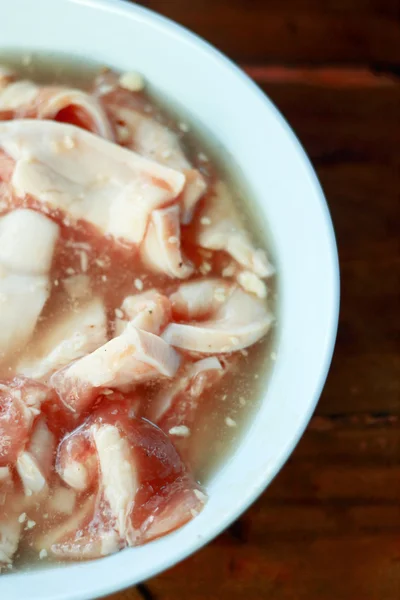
286 191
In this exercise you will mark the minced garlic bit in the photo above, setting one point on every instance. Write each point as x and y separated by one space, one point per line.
122 133
205 268
43 553
22 518
202 157
30 524
107 392
132 81
220 295
242 401
104 277
230 422
138 283
253 284
118 313
69 142
84 260
173 239
180 431
273 356
70 271
183 127
229 271
205 221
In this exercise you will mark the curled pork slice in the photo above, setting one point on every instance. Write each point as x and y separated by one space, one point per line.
67 339
87 177
175 406
20 402
200 298
161 249
27 242
34 464
143 488
220 227
239 321
132 357
42 446
118 476
26 99
148 137
76 461
30 473
149 311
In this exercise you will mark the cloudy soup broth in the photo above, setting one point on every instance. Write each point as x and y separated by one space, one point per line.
137 316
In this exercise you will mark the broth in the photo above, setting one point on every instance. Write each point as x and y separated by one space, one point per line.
96 267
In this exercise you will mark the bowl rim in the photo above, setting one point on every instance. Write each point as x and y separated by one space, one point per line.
169 26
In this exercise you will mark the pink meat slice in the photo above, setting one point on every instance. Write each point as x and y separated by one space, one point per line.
149 311
236 319
142 132
221 227
176 404
132 357
29 100
86 177
161 249
20 402
144 490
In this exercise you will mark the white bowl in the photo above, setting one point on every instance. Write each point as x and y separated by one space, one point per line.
287 192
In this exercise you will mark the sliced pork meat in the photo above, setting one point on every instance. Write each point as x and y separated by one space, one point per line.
240 321
28 100
119 477
131 294
220 227
132 357
161 249
149 311
64 167
200 298
145 135
20 403
27 241
68 339
33 480
79 536
76 460
175 407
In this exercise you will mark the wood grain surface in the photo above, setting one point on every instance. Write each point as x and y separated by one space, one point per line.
328 527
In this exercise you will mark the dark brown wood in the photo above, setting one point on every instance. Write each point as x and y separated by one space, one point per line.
328 527
292 31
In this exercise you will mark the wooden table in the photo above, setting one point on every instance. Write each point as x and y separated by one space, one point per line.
328 528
